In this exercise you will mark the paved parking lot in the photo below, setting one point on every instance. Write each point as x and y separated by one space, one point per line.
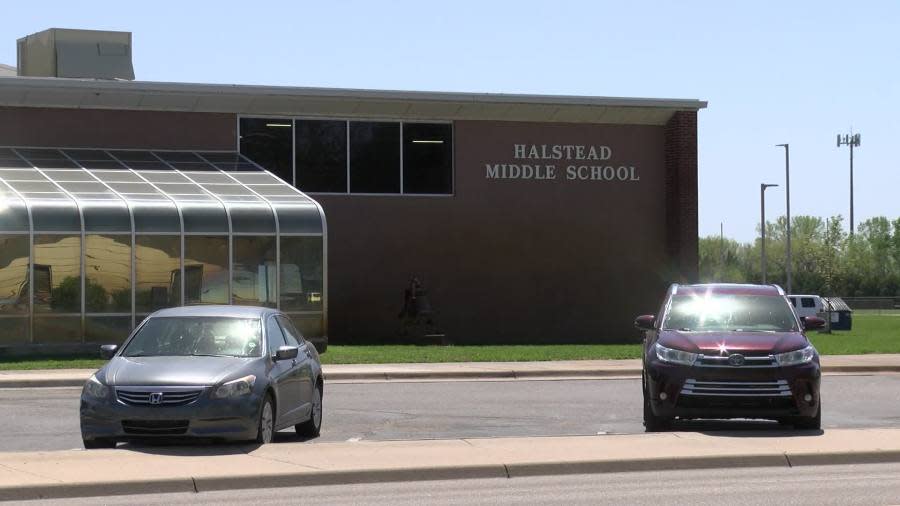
47 418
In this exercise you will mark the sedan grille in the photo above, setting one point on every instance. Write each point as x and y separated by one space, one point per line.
160 397
155 427
779 388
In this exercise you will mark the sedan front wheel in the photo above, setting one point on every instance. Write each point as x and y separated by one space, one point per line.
266 422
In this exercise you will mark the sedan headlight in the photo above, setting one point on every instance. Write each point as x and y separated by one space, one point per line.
235 388
796 357
675 356
93 388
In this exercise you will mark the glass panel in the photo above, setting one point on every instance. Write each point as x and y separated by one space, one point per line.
14 331
120 176
57 274
13 275
13 162
254 271
13 215
106 329
157 272
83 155
427 158
188 166
268 142
109 216
322 156
165 177
107 265
211 178
200 217
299 219
178 156
206 270
301 274
83 186
103 164
311 326
280 190
155 165
21 175
34 186
55 216
227 189
135 156
57 329
374 157
248 218
156 217
258 178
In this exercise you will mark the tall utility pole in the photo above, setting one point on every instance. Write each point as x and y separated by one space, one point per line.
852 140
787 190
762 227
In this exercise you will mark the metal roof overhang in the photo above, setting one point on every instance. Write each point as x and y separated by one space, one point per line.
333 102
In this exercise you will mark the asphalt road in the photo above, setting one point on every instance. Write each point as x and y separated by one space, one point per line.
47 419
870 484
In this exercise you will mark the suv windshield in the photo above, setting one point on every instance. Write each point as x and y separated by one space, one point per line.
197 336
720 312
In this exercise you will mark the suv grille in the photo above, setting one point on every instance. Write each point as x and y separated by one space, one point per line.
155 427
778 388
749 361
161 397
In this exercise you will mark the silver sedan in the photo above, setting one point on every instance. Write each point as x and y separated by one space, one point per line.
222 372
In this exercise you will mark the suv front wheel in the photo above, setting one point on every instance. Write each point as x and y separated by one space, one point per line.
652 422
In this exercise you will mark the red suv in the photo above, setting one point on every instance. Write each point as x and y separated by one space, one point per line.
729 351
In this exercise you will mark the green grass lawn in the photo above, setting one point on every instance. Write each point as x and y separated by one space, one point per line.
508 353
871 333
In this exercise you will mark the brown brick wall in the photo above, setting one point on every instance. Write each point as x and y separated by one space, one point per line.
681 196
100 128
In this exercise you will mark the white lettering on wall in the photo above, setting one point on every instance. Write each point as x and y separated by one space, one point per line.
574 172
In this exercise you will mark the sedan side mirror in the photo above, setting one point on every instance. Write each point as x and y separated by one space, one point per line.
645 322
812 322
286 353
108 350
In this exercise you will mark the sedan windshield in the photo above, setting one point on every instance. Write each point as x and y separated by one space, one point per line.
728 312
197 336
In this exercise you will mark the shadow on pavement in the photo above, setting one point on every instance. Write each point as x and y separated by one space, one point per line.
742 428
202 447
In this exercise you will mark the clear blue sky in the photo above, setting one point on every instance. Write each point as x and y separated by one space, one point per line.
773 72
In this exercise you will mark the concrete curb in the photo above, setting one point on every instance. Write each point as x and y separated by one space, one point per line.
458 472
77 380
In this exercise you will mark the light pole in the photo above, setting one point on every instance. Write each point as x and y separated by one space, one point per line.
787 191
852 140
762 226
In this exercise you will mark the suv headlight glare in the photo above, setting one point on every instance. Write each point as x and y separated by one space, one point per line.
93 388
802 356
235 388
675 356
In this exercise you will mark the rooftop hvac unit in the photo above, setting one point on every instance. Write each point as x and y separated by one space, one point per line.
60 52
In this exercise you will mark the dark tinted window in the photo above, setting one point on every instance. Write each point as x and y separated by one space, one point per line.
321 151
807 302
273 335
427 158
269 142
374 157
291 334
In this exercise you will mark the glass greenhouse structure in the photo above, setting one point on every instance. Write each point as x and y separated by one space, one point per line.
93 240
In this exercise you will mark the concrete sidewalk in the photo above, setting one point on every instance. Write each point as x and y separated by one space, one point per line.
570 369
205 468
